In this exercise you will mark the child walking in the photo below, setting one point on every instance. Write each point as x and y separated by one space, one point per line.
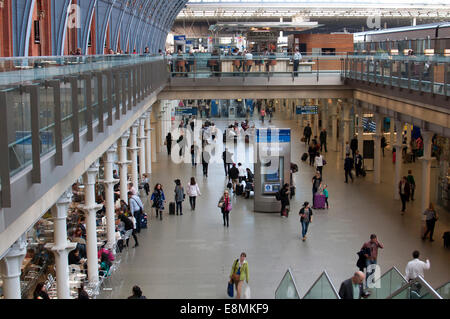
325 192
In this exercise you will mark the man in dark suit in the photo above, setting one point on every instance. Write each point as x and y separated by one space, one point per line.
352 288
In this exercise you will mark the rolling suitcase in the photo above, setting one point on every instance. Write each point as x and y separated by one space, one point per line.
304 157
172 208
319 201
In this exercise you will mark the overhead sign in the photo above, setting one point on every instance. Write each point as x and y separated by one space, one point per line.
186 111
307 109
273 135
179 38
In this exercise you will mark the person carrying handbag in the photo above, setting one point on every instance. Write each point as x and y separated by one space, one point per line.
225 206
305 218
431 218
239 273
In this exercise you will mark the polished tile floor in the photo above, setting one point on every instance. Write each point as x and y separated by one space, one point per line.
190 256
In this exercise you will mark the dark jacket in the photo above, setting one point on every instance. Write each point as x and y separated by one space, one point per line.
284 198
354 144
234 173
323 137
346 290
307 131
348 163
407 189
358 160
128 223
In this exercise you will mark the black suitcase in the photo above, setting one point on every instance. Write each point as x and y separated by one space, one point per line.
172 208
304 157
239 189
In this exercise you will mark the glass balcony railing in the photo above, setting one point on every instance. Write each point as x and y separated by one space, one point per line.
430 74
416 289
206 65
46 101
444 291
322 288
287 289
389 282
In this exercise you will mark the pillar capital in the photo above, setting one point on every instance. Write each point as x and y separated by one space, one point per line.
58 248
125 136
134 126
18 249
65 198
93 169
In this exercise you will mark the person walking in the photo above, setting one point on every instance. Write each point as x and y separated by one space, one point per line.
145 183
263 113
306 214
136 209
431 218
316 181
412 184
193 191
354 146
347 148
179 196
242 172
158 199
307 132
358 164
227 161
233 174
284 199
323 140
205 162
325 193
169 143
352 288
129 226
296 59
373 244
403 189
348 165
225 207
239 273
416 267
319 162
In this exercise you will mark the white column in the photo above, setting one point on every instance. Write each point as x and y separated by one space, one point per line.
109 182
61 246
392 133
360 131
123 166
90 207
325 115
142 143
426 169
398 158
316 123
377 151
10 268
346 127
148 145
334 141
133 152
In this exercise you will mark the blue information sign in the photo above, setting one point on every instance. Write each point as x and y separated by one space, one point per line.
186 111
307 109
284 135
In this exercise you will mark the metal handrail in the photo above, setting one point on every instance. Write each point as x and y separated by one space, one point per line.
329 281
420 280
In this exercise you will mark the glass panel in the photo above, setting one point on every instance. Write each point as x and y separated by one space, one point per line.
417 289
66 110
322 289
388 283
287 288
94 84
82 104
46 119
444 291
19 135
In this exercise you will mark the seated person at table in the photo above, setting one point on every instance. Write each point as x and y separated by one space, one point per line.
106 251
104 265
119 239
77 236
75 258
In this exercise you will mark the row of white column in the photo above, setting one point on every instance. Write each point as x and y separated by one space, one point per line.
10 265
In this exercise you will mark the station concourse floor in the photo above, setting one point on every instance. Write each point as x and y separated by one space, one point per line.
190 256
